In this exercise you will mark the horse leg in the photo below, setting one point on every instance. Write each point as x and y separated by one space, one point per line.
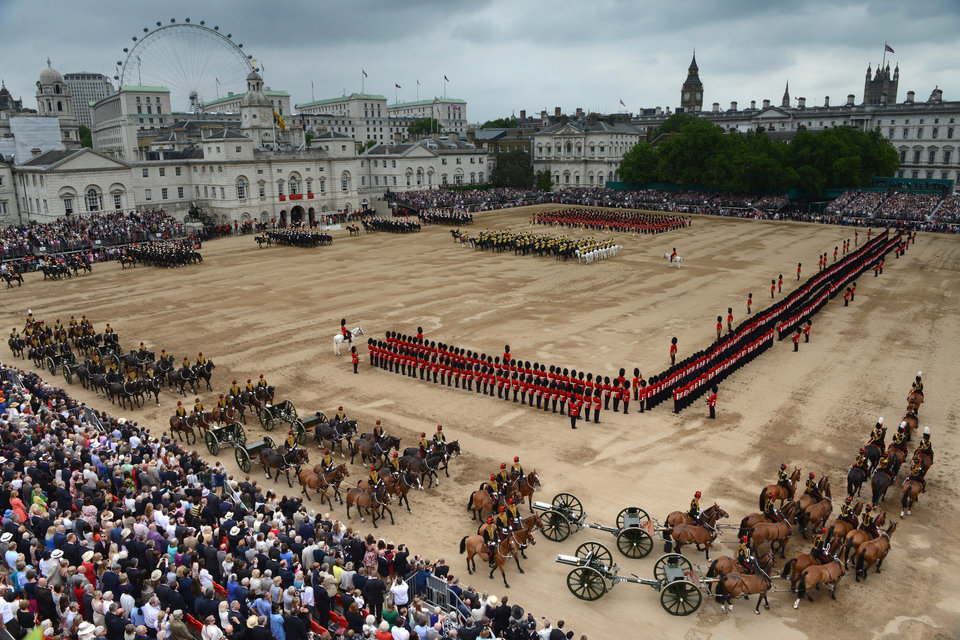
503 574
288 479
519 568
390 511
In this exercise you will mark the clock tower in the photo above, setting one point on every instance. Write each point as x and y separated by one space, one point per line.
691 95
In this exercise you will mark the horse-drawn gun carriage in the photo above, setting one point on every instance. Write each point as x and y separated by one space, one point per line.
271 414
109 352
245 453
54 362
564 516
301 428
673 577
230 435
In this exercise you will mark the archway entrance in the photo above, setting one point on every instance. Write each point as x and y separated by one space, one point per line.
296 215
283 218
312 217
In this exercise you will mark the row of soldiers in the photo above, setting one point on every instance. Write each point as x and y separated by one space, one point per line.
524 243
295 237
392 225
431 216
613 221
531 384
164 254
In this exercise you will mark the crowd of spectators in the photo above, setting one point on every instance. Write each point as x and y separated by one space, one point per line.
469 201
90 232
907 206
949 210
113 533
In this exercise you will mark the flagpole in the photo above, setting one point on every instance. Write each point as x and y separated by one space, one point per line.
884 59
418 90
312 97
362 82
444 86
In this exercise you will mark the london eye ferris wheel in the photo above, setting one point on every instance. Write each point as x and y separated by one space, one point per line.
196 62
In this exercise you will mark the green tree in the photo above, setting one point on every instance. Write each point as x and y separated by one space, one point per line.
308 137
423 126
675 122
500 123
544 181
86 137
639 165
513 169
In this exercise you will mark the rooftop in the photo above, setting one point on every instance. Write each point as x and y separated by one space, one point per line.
352 96
238 96
423 103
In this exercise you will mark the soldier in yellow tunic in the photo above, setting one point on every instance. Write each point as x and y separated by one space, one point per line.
491 536
197 406
262 382
377 432
374 480
503 475
181 410
743 556
250 388
201 361
234 389
517 467
395 465
132 376
513 516
142 348
424 445
340 416
327 460
438 437
108 330
221 402
73 321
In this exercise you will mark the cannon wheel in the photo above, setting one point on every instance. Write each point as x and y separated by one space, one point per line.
637 510
322 416
68 375
556 527
239 435
51 365
299 431
681 598
634 542
243 458
113 358
586 583
212 445
270 442
292 409
671 560
263 414
567 502
600 553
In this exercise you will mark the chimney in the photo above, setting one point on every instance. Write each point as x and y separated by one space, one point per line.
658 111
801 103
850 99
579 112
766 104
826 101
716 107
556 112
523 114
733 105
910 95
35 151
472 136
753 105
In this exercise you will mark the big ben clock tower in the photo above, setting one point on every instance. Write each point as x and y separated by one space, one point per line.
691 95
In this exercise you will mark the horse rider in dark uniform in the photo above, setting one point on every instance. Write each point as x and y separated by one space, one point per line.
772 513
394 465
250 388
783 480
197 406
862 463
846 512
503 476
513 515
517 468
883 464
377 432
812 489
439 439
917 386
878 435
374 480
917 473
493 488
744 558
234 389
221 402
867 523
695 511
327 460
819 548
181 411
289 444
262 382
340 416
925 447
899 439
424 445
201 361
491 537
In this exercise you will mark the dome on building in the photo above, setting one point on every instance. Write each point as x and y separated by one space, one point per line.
50 75
254 96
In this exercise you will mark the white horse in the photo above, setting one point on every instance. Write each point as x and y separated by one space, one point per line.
676 260
338 339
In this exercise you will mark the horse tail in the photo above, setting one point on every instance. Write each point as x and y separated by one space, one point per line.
830 532
860 560
905 497
802 587
743 529
469 505
463 544
668 542
721 591
763 495
711 571
787 568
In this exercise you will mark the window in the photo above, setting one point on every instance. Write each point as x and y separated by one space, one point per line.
238 149
147 195
890 134
46 209
294 185
149 109
218 151
262 189
223 194
946 157
139 109
950 132
146 173
206 192
916 157
394 163
376 180
241 189
935 132
93 200
3 207
929 175
323 185
906 133
931 157
442 161
903 156
363 181
117 201
919 132
163 172
280 188
196 191
159 108
163 193
180 193
915 174
345 181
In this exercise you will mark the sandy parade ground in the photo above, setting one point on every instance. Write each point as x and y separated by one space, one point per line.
275 311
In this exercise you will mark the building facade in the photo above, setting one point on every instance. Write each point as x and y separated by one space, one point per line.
583 153
230 103
87 88
691 93
54 99
424 164
122 117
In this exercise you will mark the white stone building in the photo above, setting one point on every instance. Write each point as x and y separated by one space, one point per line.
424 164
120 119
583 153
54 99
86 87
230 103
450 112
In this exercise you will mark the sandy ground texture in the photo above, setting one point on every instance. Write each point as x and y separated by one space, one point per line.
276 310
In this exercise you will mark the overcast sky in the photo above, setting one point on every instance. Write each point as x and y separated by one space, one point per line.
502 56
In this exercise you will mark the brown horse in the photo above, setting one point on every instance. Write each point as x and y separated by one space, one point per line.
400 486
910 495
874 551
838 529
857 537
322 480
227 416
914 400
776 533
526 486
375 504
203 421
789 512
737 585
682 517
685 534
816 575
910 424
181 426
475 546
779 492
805 500
727 564
481 501
271 459
816 513
799 563
925 459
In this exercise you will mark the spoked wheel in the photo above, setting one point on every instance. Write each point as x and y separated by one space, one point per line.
52 366
567 502
634 542
243 459
67 375
270 442
680 598
600 553
292 410
586 583
263 414
322 416
555 526
637 511
299 431
671 560
240 436
212 445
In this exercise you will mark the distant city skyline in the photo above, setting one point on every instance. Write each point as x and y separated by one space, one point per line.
503 57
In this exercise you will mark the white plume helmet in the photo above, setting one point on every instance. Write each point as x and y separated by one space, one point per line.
903 424
880 420
919 374
926 431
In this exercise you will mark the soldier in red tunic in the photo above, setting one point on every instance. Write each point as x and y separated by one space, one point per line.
780 284
799 266
673 347
749 302
729 319
806 331
355 358
712 403
796 340
719 326
773 288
